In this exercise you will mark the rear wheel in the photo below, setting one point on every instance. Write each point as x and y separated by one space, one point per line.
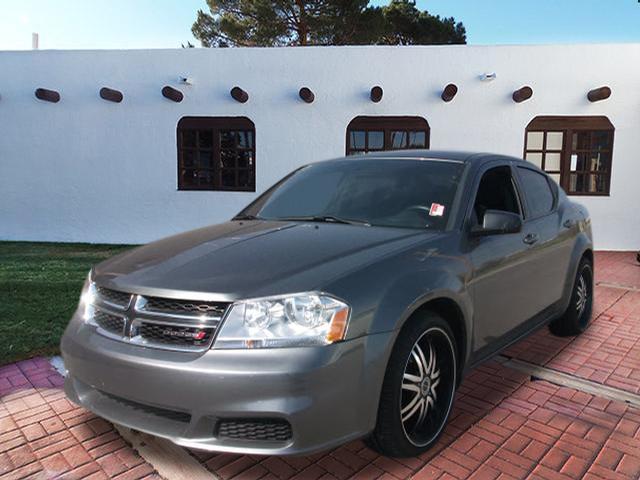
418 389
576 318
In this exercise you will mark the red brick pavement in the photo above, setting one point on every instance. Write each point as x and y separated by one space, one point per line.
44 436
609 351
503 425
620 268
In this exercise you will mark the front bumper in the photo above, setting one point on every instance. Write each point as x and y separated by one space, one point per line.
328 395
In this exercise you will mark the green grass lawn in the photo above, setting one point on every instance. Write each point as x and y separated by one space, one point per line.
40 285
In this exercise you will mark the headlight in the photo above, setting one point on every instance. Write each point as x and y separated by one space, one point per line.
87 297
303 319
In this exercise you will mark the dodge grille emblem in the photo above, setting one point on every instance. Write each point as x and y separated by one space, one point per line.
199 335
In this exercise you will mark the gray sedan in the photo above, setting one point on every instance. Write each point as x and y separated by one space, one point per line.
346 301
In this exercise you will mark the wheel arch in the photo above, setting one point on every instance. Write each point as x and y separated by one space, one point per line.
582 249
452 313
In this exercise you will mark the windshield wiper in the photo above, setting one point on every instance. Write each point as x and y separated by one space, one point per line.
325 219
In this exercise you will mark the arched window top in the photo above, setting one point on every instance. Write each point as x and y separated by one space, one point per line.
576 151
378 133
559 122
216 153
216 122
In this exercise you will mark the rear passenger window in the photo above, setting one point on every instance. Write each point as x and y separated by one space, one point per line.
537 191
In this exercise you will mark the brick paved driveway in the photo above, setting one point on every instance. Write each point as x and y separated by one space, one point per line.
504 423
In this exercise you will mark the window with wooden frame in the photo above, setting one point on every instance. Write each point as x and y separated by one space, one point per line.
575 151
376 134
216 153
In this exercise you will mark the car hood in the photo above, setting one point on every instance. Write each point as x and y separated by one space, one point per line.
250 259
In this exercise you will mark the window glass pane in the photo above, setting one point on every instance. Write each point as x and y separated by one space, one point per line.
206 159
245 159
417 139
357 140
579 162
228 158
376 140
188 138
581 140
601 140
552 161
227 139
600 161
534 140
398 140
243 178
188 158
535 158
597 183
245 139
205 139
576 182
188 177
554 140
228 178
537 192
205 177
555 177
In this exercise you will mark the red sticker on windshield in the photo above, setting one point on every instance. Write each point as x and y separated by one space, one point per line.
436 210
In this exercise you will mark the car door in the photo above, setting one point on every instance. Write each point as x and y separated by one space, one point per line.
500 285
549 243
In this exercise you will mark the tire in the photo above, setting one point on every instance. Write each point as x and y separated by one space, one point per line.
414 406
576 318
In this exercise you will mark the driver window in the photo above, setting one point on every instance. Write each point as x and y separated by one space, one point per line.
495 192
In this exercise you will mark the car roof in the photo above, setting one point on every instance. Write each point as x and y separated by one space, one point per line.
460 156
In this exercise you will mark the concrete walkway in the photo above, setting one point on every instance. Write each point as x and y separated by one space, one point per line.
505 424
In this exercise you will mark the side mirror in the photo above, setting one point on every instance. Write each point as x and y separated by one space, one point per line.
497 222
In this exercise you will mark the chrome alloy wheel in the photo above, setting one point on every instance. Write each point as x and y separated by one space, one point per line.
428 385
582 295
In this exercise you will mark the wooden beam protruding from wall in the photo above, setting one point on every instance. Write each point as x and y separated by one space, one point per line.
111 95
239 95
306 95
376 94
47 95
522 94
172 94
598 94
449 92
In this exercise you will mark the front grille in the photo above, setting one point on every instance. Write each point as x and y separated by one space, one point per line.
169 306
181 325
265 429
164 413
114 297
175 335
110 323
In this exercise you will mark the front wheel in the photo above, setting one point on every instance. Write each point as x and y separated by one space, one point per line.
418 388
578 314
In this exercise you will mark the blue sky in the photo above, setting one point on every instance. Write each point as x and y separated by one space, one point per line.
79 24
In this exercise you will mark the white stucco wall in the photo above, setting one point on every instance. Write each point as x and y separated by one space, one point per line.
89 170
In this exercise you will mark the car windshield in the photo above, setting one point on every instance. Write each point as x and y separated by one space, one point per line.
376 192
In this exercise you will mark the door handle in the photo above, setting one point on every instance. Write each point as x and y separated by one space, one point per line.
530 238
568 223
